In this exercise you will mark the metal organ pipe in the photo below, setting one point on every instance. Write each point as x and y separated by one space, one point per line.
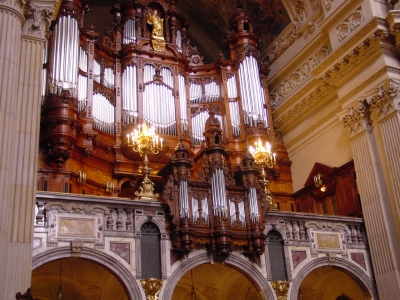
212 92
64 69
83 60
103 114
96 71
82 79
82 92
195 93
254 214
182 101
129 95
253 95
198 126
159 108
179 40
167 76
183 200
233 105
195 209
109 78
219 193
129 32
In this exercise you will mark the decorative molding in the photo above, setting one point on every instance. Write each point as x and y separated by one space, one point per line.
298 76
77 208
348 25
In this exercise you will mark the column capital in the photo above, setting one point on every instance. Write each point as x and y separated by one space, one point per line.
386 100
17 7
356 119
38 16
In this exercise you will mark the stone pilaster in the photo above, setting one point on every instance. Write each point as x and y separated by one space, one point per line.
378 216
26 45
387 104
11 20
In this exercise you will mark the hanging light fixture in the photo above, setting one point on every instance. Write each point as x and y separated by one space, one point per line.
192 293
59 292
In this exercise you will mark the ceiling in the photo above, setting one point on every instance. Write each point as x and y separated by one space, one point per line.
208 21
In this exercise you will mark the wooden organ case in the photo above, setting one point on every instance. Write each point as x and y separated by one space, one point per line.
98 88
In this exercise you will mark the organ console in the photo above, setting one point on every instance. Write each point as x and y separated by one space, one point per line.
99 87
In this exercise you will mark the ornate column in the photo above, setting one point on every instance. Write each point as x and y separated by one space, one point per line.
20 85
379 220
11 18
387 104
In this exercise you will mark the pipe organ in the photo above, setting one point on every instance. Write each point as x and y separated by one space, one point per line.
99 89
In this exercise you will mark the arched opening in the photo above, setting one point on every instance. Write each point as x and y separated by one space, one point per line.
80 279
215 281
150 251
331 283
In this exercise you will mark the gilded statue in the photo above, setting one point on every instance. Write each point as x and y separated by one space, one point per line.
157 23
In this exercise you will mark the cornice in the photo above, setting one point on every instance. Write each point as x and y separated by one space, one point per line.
338 53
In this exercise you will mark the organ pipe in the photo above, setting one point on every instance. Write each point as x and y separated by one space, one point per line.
253 206
129 31
148 73
219 193
159 108
82 92
103 114
182 101
235 117
179 40
183 200
195 208
83 60
198 125
212 92
64 61
129 95
253 95
195 93
96 71
109 78
167 76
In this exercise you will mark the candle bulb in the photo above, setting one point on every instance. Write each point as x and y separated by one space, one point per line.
161 141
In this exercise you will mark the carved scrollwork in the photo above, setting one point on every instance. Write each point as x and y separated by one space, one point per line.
77 208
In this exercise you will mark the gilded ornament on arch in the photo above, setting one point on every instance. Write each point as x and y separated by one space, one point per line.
152 287
281 289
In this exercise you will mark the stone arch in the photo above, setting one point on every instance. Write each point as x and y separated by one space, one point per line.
278 228
131 285
234 260
365 282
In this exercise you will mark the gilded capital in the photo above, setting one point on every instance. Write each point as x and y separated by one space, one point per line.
152 287
281 289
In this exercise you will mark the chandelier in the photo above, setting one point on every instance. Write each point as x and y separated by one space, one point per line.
264 158
144 140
